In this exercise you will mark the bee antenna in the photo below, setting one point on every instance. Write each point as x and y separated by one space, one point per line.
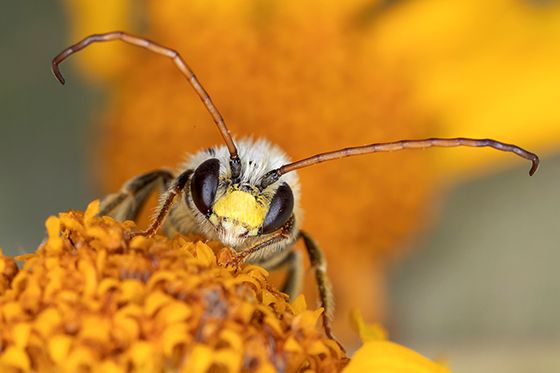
274 175
235 163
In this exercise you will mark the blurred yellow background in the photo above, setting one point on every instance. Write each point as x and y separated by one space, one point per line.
479 288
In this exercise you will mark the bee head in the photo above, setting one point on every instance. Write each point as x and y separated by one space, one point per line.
241 208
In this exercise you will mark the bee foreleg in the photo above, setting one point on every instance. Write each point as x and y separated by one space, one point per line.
166 201
319 264
281 238
127 203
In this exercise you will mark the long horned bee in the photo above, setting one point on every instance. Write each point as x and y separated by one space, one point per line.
244 193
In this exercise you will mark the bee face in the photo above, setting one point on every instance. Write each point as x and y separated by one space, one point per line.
237 210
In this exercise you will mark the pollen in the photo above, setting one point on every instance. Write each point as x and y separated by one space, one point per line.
91 299
241 207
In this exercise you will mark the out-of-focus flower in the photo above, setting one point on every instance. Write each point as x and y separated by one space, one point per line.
484 68
91 299
314 76
109 61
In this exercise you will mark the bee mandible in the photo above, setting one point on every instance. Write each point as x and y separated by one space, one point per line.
245 194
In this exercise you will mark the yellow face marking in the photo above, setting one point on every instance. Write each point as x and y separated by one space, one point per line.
242 207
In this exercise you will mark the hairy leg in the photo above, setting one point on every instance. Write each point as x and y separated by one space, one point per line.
319 265
127 203
166 202
294 278
279 239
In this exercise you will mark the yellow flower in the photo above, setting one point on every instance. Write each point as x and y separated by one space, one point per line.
91 299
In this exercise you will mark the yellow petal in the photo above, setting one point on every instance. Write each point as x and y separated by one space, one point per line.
125 328
21 334
205 254
155 301
160 275
12 311
256 272
89 274
47 321
58 347
292 345
109 239
138 242
91 211
109 366
100 260
266 368
106 285
274 323
174 335
299 304
141 353
199 360
24 257
389 357
95 328
53 230
132 290
247 279
173 312
245 311
230 359
317 348
373 332
79 359
307 319
268 297
232 339
15 357
131 310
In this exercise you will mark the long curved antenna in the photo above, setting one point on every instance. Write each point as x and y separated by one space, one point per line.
235 164
274 175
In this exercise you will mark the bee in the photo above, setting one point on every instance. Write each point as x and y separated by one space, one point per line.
244 193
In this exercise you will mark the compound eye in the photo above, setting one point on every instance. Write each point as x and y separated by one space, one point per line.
280 209
204 184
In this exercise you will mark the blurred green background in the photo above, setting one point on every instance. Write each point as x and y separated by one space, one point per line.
481 289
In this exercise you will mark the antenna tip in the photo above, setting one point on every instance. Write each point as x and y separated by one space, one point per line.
56 72
534 166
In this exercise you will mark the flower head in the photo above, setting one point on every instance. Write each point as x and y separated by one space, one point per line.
90 298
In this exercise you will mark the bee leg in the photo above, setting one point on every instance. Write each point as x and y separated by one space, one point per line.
127 203
166 202
294 278
319 264
282 237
